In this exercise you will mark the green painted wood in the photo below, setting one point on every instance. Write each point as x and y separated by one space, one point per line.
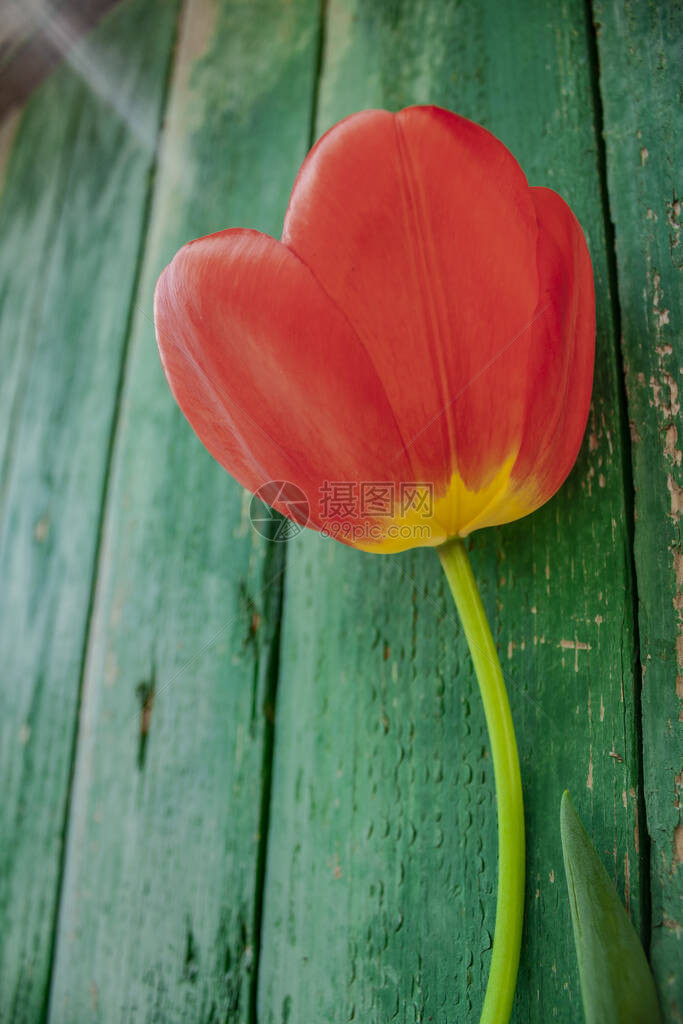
73 217
35 173
639 48
8 130
379 898
160 904
34 39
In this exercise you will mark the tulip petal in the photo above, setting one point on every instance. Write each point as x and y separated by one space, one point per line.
267 370
421 227
559 374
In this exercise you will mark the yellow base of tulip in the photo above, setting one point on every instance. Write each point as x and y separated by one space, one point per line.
454 514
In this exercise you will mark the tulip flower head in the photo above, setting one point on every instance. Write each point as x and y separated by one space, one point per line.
416 353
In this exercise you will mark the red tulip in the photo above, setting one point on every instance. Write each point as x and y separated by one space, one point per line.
416 355
427 318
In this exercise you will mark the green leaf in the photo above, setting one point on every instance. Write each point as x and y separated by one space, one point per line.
616 982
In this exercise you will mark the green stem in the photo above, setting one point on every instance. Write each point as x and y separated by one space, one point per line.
507 940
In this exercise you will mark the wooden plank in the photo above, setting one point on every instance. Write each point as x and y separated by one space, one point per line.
74 215
34 38
8 130
35 170
639 48
160 911
379 900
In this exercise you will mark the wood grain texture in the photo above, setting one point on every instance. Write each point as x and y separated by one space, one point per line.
34 177
74 213
160 910
640 54
34 37
381 872
8 130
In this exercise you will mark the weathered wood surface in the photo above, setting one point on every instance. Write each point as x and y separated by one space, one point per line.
640 61
355 880
35 36
73 219
161 896
379 901
34 178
